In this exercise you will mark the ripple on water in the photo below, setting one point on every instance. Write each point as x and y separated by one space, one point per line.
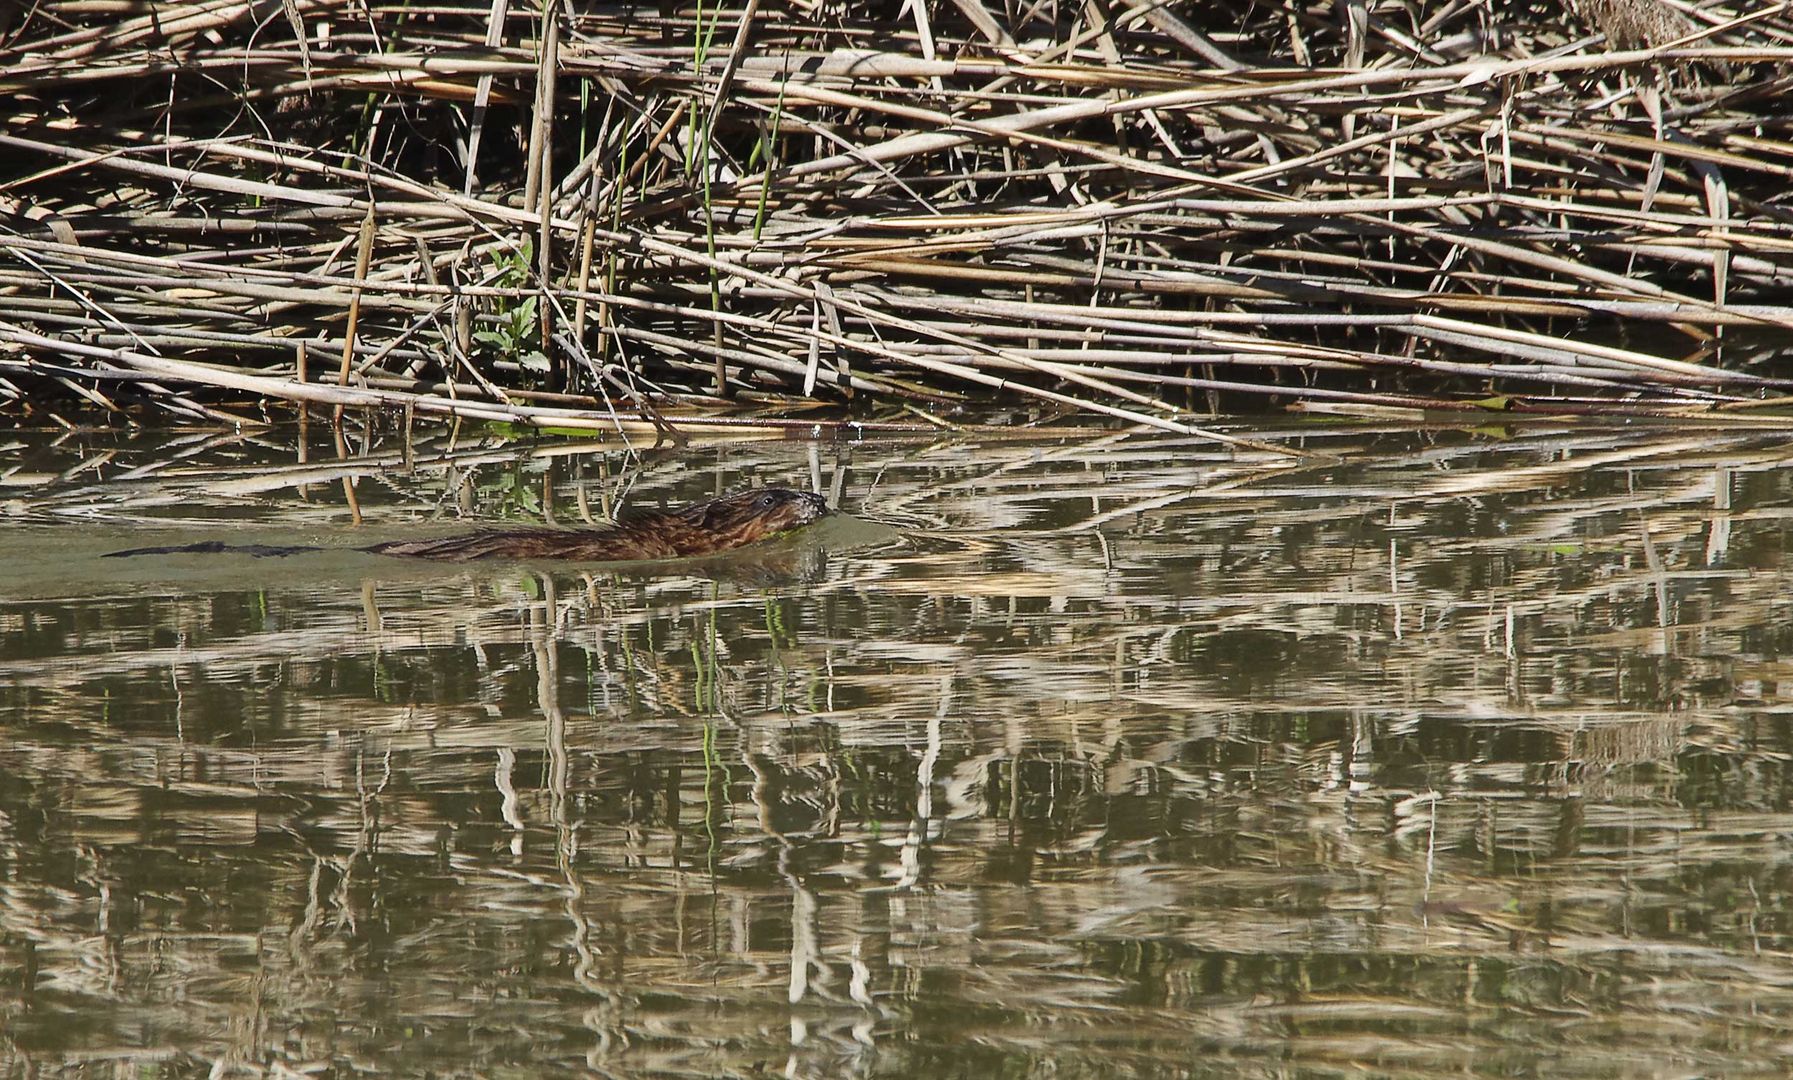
1460 754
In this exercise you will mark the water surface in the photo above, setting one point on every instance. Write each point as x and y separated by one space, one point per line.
1457 753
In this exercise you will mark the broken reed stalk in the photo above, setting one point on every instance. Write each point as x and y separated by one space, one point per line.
1105 212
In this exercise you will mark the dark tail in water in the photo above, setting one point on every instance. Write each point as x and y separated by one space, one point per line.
214 547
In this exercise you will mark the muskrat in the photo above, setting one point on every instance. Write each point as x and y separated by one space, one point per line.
743 517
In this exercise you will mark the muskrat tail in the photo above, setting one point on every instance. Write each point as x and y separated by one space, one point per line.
217 547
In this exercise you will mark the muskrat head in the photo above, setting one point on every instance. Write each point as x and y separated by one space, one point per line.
748 516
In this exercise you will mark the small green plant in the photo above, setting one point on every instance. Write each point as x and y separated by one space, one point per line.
513 331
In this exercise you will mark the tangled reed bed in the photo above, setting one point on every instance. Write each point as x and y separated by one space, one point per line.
598 216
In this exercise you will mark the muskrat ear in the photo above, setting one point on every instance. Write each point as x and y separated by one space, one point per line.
718 514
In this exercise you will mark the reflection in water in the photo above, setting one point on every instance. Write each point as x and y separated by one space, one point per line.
1103 758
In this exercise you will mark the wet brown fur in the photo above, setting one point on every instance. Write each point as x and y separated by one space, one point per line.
744 517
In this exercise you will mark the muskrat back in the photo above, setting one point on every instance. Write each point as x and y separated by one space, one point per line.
734 520
720 525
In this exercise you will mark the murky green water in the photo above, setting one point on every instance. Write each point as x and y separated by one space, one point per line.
1467 755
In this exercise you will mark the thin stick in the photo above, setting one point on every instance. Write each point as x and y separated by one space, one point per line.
363 257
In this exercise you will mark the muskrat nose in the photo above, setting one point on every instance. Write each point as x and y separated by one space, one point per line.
815 504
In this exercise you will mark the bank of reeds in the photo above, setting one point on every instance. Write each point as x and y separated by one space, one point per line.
577 218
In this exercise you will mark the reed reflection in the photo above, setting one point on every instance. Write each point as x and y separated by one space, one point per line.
1452 746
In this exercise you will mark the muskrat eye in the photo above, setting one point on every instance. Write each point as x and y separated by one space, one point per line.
766 500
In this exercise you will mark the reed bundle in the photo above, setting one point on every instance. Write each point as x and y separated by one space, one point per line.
574 217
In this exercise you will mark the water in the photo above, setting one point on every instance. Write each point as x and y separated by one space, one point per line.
1456 753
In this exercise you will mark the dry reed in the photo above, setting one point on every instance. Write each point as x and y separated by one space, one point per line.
618 215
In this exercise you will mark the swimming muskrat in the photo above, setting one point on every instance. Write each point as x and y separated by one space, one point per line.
719 525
